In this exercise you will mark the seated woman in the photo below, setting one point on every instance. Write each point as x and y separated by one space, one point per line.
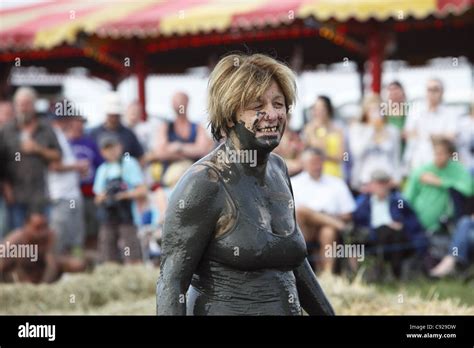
231 245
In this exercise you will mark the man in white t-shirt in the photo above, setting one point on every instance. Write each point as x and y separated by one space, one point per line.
429 120
66 214
323 205
144 130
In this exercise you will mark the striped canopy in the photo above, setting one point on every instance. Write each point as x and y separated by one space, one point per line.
48 24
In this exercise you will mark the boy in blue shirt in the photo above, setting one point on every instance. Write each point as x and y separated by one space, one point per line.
118 182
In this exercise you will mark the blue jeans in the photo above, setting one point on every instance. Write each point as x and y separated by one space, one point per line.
4 223
17 214
463 239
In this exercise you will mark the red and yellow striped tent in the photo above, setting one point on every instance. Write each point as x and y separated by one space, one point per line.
49 24
98 34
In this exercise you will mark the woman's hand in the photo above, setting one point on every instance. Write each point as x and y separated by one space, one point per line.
430 179
311 295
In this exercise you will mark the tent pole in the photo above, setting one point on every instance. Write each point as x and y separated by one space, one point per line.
141 76
376 50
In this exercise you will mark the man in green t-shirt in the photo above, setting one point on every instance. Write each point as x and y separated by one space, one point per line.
427 188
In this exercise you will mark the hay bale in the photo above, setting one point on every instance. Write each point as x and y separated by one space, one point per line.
80 293
358 298
128 290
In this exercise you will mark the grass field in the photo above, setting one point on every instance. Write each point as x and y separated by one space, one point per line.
441 289
113 289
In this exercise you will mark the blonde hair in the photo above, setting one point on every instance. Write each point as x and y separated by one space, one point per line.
368 101
239 79
27 91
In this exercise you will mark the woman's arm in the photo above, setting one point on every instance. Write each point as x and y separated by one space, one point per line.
190 221
311 295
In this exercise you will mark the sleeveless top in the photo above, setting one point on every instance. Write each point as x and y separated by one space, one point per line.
248 269
158 169
173 136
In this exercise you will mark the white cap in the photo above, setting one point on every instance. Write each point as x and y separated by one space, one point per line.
113 106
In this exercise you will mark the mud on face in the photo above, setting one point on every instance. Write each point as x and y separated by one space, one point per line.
265 118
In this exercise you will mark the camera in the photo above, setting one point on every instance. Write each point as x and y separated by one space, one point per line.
113 187
117 211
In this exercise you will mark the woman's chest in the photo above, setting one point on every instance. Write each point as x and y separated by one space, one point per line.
268 208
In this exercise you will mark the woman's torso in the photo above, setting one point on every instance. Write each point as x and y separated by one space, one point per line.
378 150
330 139
248 267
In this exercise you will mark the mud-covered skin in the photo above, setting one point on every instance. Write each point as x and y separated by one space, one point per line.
231 239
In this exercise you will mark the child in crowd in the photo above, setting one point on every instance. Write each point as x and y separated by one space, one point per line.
118 183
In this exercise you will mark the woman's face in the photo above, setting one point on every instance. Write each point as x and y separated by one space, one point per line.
373 111
441 156
262 123
395 94
320 111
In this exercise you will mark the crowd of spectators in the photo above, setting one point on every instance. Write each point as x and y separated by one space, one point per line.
399 171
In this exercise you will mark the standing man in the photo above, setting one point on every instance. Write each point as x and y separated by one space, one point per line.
181 139
143 129
113 125
427 122
30 145
67 208
85 149
6 112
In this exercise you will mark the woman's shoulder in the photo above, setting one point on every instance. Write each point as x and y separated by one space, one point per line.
278 161
198 184
205 171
